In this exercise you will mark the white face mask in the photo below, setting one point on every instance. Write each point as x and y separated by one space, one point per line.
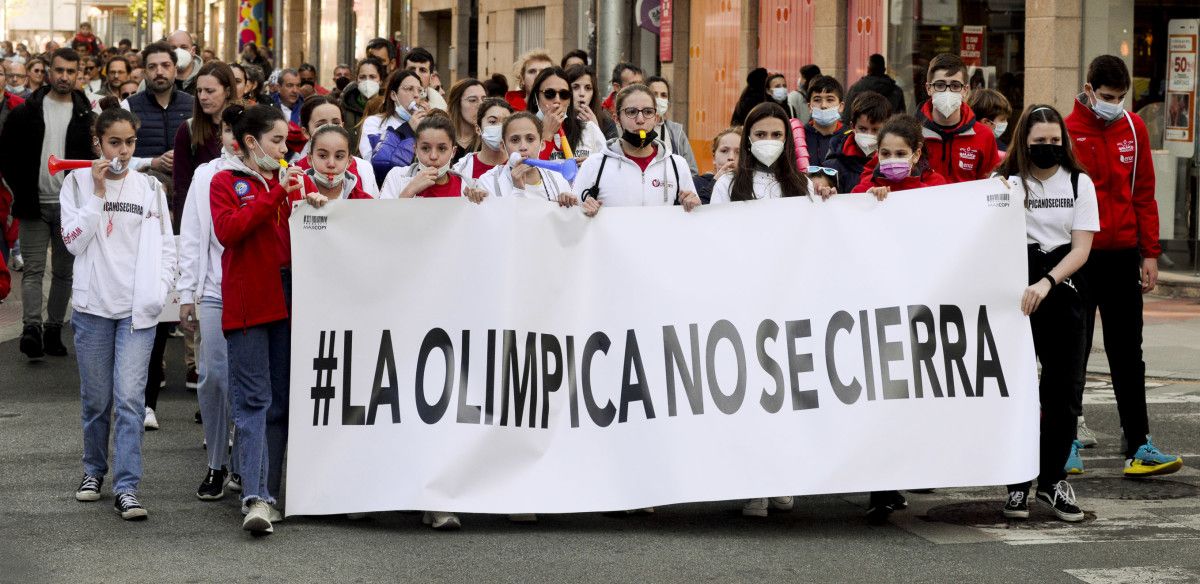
661 105
117 166
947 102
492 136
368 88
441 171
183 59
999 129
826 116
767 151
14 88
1107 111
867 142
779 93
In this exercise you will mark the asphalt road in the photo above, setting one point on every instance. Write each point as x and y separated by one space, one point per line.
1147 531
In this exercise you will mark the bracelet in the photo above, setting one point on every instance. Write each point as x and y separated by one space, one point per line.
1051 279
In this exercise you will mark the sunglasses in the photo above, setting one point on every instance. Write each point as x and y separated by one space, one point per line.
823 169
563 94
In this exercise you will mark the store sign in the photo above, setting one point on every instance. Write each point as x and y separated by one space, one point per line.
1180 107
648 15
664 31
971 50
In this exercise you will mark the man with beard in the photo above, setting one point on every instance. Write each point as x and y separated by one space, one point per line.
55 120
116 72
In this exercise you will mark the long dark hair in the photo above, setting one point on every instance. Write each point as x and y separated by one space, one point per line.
255 120
792 182
1017 162
571 125
573 75
203 127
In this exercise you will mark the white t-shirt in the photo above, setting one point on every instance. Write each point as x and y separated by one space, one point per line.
498 183
765 187
116 260
1054 211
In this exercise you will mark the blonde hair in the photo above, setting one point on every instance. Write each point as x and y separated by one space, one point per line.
522 61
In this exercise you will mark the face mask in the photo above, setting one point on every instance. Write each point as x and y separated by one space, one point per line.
1000 128
265 162
947 102
368 88
767 151
541 115
1046 156
635 139
779 93
14 88
1108 111
341 82
441 171
825 116
402 112
867 142
661 105
895 168
117 166
325 181
183 59
491 136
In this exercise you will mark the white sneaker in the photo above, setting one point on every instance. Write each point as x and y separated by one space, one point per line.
258 519
756 508
441 520
151 421
1085 435
523 518
782 503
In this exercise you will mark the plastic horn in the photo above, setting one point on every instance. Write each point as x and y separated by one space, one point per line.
567 167
56 165
566 146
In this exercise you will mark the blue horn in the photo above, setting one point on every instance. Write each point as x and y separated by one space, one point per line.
567 167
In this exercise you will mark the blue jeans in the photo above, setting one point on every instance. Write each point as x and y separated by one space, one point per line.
112 361
260 405
213 391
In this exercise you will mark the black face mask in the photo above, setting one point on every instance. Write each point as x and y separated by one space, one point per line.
341 82
636 140
1046 156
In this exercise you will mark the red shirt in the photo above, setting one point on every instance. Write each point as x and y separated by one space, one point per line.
516 98
964 152
479 167
1115 155
644 161
928 178
305 164
452 188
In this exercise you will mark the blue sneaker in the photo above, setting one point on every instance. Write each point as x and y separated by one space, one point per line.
1074 462
1148 461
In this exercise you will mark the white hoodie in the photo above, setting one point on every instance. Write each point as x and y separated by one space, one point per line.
399 177
83 222
498 183
765 187
199 250
365 170
623 184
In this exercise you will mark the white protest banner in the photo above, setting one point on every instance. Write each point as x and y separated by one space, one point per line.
515 357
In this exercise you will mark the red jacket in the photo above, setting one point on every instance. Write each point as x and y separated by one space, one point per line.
927 178
1109 151
962 153
5 279
358 192
250 218
516 98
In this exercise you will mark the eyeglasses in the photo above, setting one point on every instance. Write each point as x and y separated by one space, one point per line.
943 86
15 76
632 112
823 169
563 94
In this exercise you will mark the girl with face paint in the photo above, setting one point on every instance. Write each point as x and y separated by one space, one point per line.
901 161
117 225
1061 218
766 166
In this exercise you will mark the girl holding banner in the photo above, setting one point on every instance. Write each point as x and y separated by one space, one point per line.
522 140
431 175
318 111
766 168
117 225
489 123
635 170
1061 217
250 208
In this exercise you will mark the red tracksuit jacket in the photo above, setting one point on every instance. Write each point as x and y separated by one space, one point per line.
927 177
250 218
1128 213
961 153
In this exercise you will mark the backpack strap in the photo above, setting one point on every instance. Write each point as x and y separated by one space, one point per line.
594 190
1075 184
678 185
1133 131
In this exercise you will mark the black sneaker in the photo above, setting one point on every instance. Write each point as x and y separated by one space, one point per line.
199 420
1017 506
883 504
1062 501
213 487
129 507
235 482
193 380
89 489
31 342
52 342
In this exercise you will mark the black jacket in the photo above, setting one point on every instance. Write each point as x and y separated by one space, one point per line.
21 147
159 124
881 84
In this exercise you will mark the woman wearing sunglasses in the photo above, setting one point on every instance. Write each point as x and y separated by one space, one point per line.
565 136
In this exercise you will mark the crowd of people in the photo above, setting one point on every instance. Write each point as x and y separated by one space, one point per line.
194 164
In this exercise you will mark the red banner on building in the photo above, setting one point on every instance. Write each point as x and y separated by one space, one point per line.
972 46
665 53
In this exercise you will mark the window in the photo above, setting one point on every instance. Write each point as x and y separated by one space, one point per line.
531 29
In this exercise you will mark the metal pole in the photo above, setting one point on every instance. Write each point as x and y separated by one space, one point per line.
149 21
613 22
79 12
277 34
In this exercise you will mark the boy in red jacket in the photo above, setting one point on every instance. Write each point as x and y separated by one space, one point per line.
1115 148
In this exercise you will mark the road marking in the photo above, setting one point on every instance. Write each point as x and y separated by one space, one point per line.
1140 527
1142 575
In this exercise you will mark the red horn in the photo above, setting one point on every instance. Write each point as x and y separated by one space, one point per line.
55 165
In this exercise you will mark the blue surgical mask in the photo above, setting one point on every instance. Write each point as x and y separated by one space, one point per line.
1108 111
826 116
